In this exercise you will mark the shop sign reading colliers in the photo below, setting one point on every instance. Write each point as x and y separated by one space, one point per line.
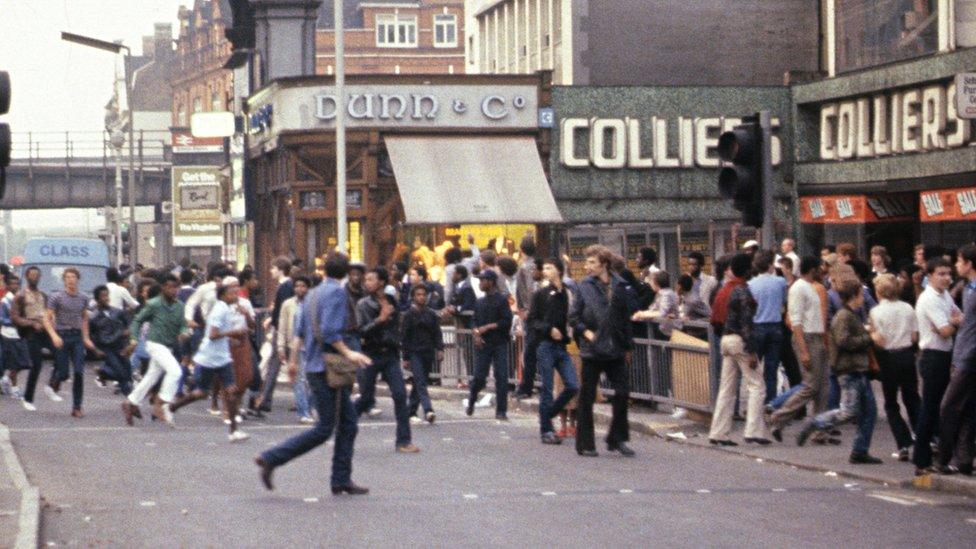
894 122
616 143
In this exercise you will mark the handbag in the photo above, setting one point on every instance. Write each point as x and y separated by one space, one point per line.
340 372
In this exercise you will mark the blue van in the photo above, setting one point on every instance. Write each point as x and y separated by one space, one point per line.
53 255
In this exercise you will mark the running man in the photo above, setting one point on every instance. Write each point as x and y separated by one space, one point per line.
67 326
167 329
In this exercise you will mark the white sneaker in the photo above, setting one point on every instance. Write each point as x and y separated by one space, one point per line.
238 436
28 406
15 392
308 420
5 385
373 412
239 419
414 420
168 415
484 401
214 411
52 395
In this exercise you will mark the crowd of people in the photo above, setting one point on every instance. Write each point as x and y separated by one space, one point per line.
831 324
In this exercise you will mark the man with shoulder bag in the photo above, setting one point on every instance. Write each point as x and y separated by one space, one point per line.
320 328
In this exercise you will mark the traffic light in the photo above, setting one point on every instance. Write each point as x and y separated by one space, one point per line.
744 181
5 138
241 34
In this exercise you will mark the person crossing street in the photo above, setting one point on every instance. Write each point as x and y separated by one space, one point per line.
67 326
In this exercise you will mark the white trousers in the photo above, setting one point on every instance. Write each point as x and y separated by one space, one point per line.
161 361
735 363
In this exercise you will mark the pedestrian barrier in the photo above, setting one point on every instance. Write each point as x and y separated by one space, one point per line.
680 372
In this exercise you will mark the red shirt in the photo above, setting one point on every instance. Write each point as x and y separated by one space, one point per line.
720 308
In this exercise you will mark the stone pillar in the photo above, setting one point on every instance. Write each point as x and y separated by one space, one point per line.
285 37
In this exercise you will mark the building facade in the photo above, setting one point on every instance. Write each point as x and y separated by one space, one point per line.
394 37
644 42
883 153
199 81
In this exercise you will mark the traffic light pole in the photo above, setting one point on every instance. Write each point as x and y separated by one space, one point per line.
768 234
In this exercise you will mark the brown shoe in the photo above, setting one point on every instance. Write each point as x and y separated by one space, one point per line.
265 470
408 449
157 412
127 412
76 413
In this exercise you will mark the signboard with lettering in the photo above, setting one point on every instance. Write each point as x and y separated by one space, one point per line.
905 121
185 143
948 205
850 209
966 95
196 206
279 109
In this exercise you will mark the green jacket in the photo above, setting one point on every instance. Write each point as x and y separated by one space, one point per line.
849 344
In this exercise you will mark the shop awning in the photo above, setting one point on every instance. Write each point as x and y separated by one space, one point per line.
856 209
461 179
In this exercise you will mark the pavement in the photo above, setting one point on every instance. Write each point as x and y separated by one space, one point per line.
477 482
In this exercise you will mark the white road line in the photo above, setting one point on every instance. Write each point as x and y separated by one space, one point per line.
311 500
447 439
779 489
147 503
893 499
470 496
549 493
626 491
703 491
971 520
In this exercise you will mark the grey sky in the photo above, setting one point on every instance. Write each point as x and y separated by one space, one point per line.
59 86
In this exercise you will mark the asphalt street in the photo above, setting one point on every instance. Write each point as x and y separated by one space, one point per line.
476 483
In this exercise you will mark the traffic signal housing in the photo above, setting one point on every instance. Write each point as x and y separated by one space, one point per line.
743 181
5 137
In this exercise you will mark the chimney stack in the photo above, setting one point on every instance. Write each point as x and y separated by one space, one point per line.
285 37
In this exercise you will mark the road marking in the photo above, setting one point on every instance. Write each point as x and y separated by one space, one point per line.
147 503
830 474
893 499
447 439
506 437
150 444
548 493
311 500
201 428
779 489
971 520
626 491
703 491
470 496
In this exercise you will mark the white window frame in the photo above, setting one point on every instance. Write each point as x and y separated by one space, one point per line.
445 22
401 27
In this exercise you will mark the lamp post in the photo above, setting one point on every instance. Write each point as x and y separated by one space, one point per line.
117 48
342 229
117 140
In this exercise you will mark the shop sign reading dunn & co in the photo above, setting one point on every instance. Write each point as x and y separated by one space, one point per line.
280 109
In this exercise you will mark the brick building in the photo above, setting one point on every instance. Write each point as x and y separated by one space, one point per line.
199 81
394 37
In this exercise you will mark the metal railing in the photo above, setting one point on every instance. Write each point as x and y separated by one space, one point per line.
679 372
87 149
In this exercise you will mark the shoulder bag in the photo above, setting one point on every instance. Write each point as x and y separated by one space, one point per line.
340 372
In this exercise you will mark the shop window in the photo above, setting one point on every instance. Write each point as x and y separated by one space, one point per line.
396 31
875 32
445 31
197 104
216 102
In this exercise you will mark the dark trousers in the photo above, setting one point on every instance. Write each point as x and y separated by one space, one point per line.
934 367
73 353
117 369
529 364
328 401
554 358
956 423
420 366
898 374
791 367
618 376
484 358
389 366
36 343
769 342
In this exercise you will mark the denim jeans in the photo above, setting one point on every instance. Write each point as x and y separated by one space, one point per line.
327 402
389 366
856 402
484 357
303 399
935 368
420 365
551 356
780 400
73 352
529 363
117 369
768 338
36 343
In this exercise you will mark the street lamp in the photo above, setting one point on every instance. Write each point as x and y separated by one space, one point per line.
116 49
342 225
117 140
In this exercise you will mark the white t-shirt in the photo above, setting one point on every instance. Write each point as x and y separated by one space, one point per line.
120 298
933 311
803 307
896 322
